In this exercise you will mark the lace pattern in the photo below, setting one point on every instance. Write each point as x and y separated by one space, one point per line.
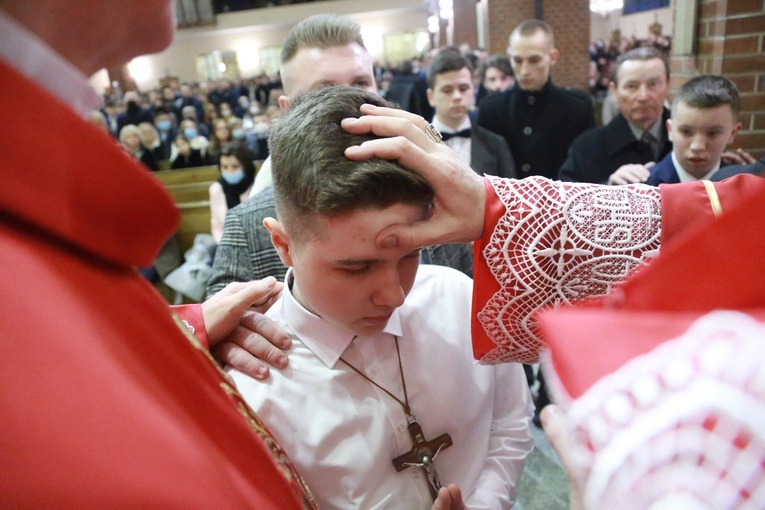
559 243
679 427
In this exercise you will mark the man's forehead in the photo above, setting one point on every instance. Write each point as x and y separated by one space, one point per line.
537 42
635 69
314 67
459 75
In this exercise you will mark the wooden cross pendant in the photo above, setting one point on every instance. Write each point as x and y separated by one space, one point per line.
423 454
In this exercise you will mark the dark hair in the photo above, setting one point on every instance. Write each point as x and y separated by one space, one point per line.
242 154
709 91
446 60
321 31
501 62
313 177
642 53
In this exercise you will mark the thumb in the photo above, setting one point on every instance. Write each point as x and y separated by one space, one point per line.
650 164
407 237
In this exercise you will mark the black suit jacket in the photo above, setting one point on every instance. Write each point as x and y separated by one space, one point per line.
756 168
490 155
537 126
598 153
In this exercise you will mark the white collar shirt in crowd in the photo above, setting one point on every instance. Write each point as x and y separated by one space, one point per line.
459 144
39 62
343 432
686 177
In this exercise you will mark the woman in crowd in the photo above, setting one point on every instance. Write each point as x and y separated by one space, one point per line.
237 175
151 141
221 135
130 138
187 157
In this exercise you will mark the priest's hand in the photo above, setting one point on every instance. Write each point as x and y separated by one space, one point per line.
239 334
449 498
459 204
553 421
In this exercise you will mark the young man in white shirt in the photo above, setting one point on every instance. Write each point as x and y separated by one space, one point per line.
381 351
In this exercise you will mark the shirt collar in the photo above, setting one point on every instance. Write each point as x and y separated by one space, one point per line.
686 177
443 128
31 56
327 341
655 130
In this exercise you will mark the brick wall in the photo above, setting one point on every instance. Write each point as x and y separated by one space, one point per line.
731 42
465 29
570 20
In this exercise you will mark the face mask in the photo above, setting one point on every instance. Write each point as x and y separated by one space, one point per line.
233 177
262 129
238 134
190 133
254 109
163 125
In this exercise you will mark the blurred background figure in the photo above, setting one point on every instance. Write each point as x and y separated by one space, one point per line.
130 139
237 175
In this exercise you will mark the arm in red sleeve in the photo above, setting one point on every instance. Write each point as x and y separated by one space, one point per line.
191 317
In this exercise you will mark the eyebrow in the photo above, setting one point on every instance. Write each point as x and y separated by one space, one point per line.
358 262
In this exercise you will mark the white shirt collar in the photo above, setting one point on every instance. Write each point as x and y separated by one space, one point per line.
443 128
686 177
327 341
31 56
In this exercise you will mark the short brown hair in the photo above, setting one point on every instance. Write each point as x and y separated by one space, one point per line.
321 31
532 26
709 91
446 60
313 177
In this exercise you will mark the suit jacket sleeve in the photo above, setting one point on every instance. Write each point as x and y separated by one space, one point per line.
232 258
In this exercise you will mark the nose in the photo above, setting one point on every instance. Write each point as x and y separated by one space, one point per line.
389 291
643 92
697 143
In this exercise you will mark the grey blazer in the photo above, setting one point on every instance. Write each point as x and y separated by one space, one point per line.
245 251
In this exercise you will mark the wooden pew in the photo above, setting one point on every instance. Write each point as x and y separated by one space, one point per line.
208 174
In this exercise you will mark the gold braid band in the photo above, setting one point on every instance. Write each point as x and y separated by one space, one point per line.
714 199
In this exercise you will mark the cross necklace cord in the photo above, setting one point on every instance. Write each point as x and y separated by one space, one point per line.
424 452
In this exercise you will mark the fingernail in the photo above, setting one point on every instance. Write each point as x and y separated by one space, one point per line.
351 149
285 344
389 242
281 361
549 413
261 373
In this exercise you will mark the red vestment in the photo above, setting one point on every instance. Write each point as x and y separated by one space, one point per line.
105 401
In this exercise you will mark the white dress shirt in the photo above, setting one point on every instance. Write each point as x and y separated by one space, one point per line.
39 62
343 432
459 144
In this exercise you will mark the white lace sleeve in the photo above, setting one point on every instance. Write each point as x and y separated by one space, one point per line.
559 243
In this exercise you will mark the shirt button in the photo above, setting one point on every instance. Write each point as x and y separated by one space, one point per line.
532 99
526 167
527 130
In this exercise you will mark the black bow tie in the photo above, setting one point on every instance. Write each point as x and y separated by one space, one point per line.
465 133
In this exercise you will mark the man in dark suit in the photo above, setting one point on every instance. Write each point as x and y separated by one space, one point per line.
537 119
450 93
617 152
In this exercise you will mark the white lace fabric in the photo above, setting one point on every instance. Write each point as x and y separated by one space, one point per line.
560 243
679 427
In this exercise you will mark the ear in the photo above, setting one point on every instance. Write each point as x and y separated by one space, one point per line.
280 239
284 103
669 130
554 54
735 131
429 92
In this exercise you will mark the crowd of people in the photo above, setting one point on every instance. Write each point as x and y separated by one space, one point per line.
127 406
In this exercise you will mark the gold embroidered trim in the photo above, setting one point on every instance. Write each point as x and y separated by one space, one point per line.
714 199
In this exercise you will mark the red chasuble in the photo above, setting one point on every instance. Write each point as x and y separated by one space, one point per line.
106 401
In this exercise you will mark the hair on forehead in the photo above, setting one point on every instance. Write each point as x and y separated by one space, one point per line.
321 31
501 62
644 53
311 175
531 27
709 91
446 60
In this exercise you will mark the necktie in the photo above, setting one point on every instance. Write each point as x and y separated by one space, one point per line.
651 142
465 133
